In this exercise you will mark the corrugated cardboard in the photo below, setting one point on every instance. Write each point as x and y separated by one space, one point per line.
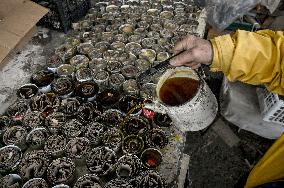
17 21
18 47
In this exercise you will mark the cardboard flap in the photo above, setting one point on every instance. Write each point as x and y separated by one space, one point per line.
21 17
8 39
7 6
17 18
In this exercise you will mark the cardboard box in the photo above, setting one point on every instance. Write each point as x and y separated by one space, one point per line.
17 24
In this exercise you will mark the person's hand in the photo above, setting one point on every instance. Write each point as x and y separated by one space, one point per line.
197 51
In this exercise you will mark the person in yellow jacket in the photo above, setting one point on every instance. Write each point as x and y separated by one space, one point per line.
255 58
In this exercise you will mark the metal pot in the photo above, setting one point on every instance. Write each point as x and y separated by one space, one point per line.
195 114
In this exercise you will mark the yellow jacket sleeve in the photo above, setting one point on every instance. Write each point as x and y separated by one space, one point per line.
252 57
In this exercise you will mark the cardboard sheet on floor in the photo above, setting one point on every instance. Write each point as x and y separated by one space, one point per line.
17 22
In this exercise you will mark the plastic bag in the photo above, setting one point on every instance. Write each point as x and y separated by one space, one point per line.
239 105
271 5
221 13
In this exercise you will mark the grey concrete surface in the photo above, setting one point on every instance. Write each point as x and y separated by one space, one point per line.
224 132
215 163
